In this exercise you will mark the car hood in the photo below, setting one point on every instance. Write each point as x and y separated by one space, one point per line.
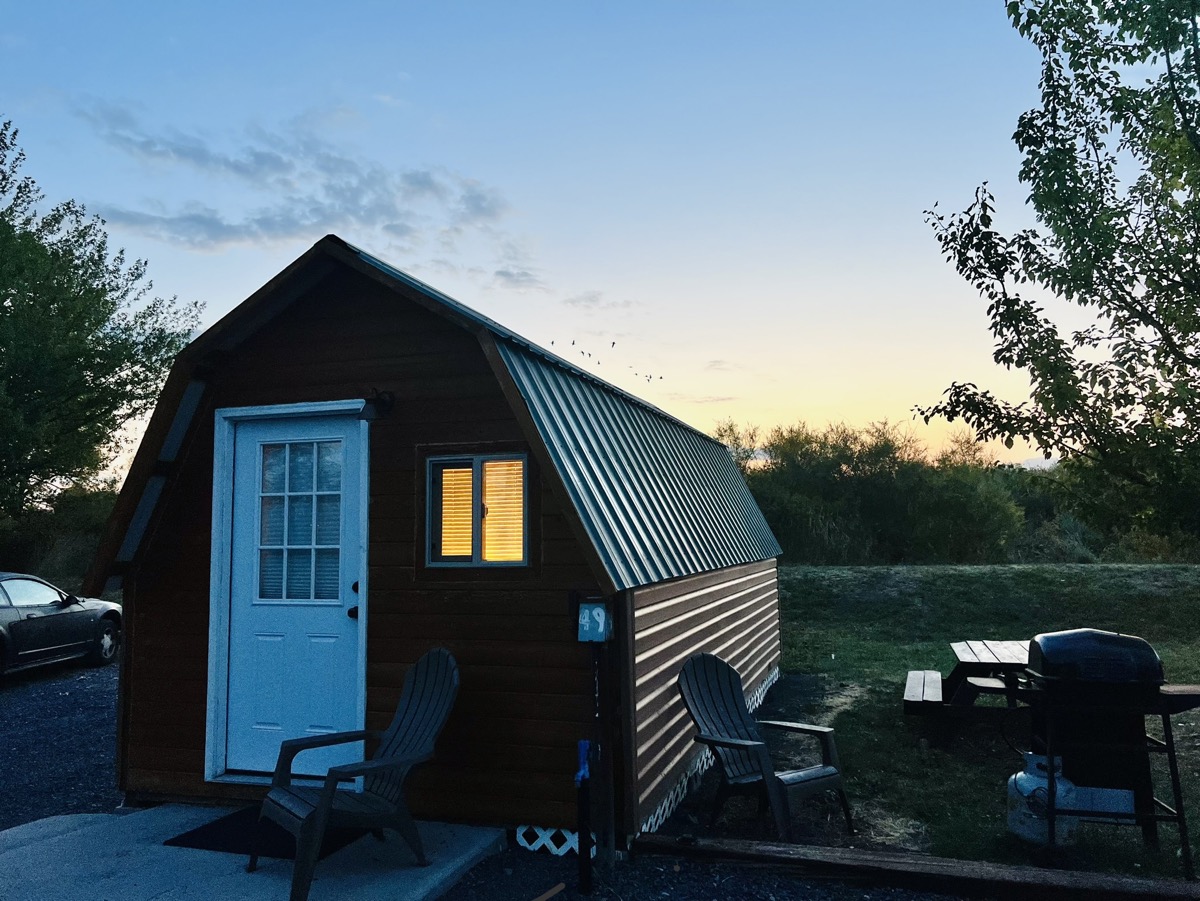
99 606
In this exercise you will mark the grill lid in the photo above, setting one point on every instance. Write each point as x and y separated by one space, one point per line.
1091 655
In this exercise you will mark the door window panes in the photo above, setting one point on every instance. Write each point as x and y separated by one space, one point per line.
300 521
329 518
329 466
274 467
270 574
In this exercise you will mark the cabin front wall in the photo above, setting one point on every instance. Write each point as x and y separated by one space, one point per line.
733 613
508 753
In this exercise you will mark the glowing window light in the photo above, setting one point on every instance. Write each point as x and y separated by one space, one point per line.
457 512
477 514
503 511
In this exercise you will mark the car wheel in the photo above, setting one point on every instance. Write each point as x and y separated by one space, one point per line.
108 644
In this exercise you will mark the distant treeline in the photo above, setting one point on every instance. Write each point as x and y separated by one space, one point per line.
838 495
58 539
842 495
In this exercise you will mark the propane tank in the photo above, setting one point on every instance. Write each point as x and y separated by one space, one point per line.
1028 801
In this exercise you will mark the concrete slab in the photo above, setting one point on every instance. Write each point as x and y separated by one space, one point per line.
121 857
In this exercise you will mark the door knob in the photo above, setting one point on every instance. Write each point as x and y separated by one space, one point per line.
354 587
353 612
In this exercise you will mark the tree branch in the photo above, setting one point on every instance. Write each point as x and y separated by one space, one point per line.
1181 106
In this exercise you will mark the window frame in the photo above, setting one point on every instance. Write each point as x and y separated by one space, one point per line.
476 461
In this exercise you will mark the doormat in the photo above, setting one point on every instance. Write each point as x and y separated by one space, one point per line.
234 834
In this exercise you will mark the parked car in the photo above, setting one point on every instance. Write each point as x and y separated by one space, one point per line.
42 624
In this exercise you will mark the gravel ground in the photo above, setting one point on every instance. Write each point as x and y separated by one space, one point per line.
59 742
519 875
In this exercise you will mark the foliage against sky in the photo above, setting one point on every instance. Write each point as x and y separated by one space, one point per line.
1111 161
84 348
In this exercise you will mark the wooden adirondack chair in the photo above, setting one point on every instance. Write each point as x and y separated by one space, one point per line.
430 688
712 692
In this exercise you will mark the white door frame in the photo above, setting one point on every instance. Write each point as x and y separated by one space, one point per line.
221 568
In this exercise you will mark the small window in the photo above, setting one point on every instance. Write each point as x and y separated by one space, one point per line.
478 513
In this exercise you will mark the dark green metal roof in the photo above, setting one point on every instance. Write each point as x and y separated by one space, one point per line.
659 499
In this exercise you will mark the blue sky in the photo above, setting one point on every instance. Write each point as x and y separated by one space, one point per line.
731 192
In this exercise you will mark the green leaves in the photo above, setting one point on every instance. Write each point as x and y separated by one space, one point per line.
1111 158
83 348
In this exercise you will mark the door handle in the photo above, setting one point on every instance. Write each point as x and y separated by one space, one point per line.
354 587
33 616
352 612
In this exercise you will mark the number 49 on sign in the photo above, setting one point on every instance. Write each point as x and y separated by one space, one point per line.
594 622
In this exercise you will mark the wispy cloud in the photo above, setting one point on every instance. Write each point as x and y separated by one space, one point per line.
720 366
519 279
588 300
477 203
702 398
594 301
517 270
390 100
292 183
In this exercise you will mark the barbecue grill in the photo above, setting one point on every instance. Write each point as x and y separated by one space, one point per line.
1091 692
1085 659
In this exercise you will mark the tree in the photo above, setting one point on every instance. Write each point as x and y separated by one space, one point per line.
83 348
1111 159
742 443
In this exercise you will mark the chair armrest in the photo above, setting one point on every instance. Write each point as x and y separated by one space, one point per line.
293 746
829 754
806 728
347 771
734 744
756 749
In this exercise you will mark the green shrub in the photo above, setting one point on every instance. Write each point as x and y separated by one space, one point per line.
1063 539
1139 545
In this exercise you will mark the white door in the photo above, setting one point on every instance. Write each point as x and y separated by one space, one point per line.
295 564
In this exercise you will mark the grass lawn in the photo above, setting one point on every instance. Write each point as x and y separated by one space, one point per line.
863 628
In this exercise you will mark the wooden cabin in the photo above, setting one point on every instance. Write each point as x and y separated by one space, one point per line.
350 468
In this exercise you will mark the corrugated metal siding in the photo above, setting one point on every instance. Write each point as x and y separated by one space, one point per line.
733 614
659 499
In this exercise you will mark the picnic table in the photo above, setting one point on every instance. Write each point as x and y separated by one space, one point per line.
986 666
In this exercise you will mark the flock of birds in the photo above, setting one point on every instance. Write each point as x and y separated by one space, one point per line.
588 355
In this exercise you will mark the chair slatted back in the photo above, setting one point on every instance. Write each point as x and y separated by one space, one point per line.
430 687
712 692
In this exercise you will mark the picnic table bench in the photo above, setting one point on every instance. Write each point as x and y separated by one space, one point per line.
981 667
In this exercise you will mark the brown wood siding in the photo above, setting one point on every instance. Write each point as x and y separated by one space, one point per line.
508 753
733 613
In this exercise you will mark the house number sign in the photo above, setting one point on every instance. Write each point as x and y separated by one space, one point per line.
594 622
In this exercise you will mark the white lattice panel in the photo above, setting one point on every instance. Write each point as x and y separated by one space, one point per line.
558 842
